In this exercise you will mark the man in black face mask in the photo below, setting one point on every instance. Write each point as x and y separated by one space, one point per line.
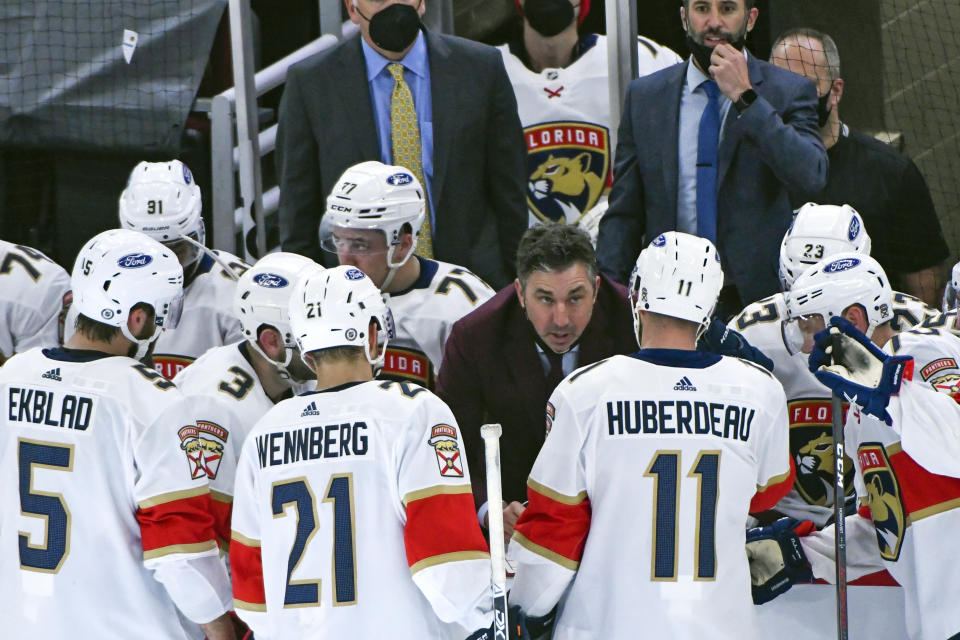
884 186
714 147
439 105
561 76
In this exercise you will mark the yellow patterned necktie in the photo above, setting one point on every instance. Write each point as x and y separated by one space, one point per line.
405 136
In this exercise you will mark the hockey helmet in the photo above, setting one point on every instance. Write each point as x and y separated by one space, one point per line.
334 308
677 275
819 231
373 196
118 269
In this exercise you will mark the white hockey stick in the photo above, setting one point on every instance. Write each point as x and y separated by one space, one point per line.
498 573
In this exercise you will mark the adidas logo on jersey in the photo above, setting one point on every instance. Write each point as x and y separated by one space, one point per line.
53 374
311 410
684 384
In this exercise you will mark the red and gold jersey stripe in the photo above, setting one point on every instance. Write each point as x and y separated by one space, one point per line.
554 525
777 487
177 522
442 527
246 568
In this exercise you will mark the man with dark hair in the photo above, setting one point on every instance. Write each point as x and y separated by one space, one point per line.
502 361
715 147
884 186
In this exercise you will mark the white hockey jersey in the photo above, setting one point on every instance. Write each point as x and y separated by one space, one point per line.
643 485
424 315
565 114
207 320
106 532
809 409
341 496
908 477
34 291
225 385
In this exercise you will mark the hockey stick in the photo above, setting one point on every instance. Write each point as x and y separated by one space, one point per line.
498 573
839 500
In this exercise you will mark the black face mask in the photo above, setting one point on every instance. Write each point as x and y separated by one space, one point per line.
823 114
395 28
701 52
548 17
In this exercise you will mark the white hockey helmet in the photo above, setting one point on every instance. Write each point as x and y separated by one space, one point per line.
951 292
374 196
835 283
818 231
677 275
118 269
162 200
262 297
333 308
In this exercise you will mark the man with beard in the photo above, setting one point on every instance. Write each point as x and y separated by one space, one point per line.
439 105
713 147
884 186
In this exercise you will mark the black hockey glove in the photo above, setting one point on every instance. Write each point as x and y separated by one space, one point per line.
520 627
861 372
777 560
720 339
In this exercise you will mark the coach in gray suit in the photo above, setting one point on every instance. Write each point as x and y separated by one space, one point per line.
768 147
336 112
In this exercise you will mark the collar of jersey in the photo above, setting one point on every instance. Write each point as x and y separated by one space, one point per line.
584 44
339 387
428 269
75 355
678 358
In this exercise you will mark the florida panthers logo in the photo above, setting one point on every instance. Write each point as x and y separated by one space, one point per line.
811 445
203 443
443 439
568 164
884 499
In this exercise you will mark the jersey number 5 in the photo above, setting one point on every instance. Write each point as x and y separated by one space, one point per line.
306 593
50 507
665 470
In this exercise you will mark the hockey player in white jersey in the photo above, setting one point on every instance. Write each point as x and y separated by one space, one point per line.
562 87
903 437
353 514
107 528
162 200
34 297
372 222
240 382
652 463
817 232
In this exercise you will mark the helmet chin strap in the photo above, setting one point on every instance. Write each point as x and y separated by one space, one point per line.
283 368
143 344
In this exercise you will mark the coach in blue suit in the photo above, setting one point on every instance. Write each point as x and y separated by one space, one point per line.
715 154
336 112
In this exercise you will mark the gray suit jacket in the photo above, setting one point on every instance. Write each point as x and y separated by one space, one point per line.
771 151
327 125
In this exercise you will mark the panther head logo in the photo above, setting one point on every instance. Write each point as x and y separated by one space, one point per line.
569 182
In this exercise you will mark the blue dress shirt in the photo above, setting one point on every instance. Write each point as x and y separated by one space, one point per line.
693 100
417 74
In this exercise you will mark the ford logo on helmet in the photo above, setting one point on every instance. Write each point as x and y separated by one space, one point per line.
400 179
854 229
187 176
134 260
270 280
659 241
354 274
841 265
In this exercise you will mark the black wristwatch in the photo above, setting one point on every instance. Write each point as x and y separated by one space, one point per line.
745 100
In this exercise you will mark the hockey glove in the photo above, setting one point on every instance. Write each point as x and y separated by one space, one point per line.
520 627
860 372
777 560
720 339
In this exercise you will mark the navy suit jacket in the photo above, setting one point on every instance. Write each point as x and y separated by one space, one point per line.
326 125
491 372
770 152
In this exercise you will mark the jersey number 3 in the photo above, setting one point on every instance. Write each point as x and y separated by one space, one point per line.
665 470
306 593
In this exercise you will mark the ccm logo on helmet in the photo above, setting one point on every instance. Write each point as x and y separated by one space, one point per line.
134 260
339 207
400 179
354 274
841 265
270 280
